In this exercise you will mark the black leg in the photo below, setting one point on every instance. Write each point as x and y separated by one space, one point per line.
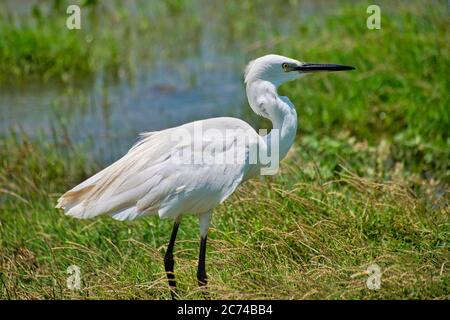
201 271
169 262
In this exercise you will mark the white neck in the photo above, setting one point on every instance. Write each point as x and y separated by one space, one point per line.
265 101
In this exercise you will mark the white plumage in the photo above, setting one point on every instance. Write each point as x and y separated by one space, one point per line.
147 180
151 179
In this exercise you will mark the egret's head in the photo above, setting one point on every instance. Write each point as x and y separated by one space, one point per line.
279 69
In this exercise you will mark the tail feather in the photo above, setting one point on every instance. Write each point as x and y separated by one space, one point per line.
117 189
73 197
73 201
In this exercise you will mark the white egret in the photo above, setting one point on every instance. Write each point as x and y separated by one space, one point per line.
151 179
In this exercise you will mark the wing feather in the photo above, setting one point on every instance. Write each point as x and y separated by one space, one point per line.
146 180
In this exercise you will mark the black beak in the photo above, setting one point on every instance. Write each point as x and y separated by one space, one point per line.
313 67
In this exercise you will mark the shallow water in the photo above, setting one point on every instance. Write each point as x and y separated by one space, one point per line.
109 116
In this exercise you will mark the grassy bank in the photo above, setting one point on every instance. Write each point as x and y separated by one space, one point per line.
399 91
367 181
309 233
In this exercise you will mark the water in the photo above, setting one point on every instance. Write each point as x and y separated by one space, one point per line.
170 85
113 114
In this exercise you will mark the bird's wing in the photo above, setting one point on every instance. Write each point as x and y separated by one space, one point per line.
153 178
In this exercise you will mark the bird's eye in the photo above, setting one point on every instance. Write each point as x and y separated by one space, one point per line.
285 66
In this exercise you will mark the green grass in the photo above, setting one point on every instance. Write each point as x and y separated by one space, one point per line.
310 232
398 92
41 48
367 181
